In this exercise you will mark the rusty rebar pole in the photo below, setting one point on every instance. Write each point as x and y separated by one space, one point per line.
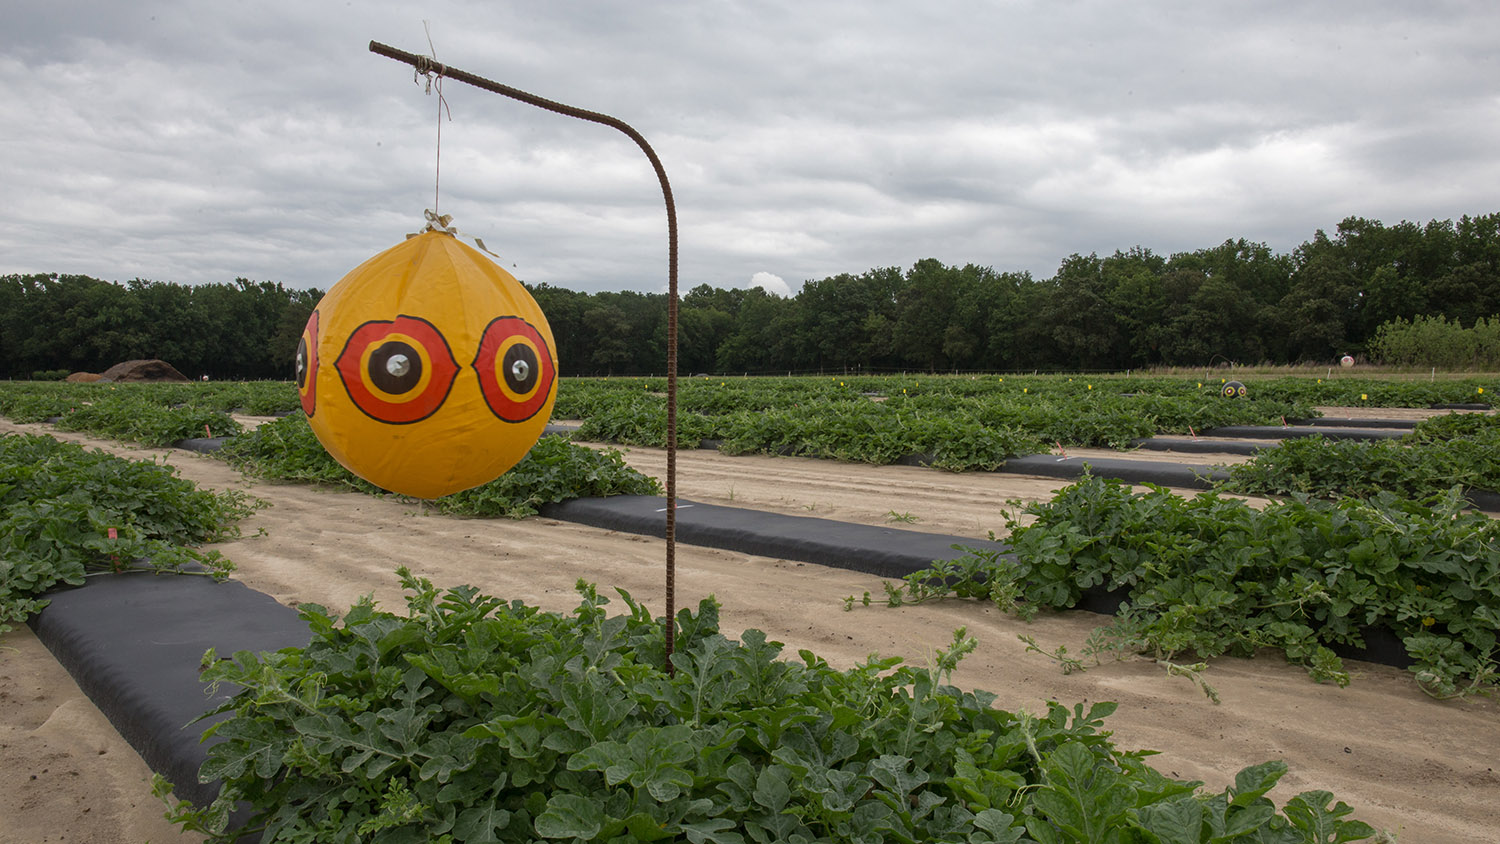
424 64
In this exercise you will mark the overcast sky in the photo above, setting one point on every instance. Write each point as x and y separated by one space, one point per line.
198 141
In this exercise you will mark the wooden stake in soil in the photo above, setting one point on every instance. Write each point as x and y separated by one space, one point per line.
424 64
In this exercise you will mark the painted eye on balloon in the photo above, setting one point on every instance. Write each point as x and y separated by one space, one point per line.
397 371
515 368
307 365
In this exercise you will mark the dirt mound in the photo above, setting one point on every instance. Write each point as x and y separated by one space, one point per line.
142 370
82 377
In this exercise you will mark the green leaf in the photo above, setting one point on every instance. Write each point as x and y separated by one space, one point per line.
1173 822
1252 783
570 816
1309 812
713 830
481 824
1081 798
995 827
771 787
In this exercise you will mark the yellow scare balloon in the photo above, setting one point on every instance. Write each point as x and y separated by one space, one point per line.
427 369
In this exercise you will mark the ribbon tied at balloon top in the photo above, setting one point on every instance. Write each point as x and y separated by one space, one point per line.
428 369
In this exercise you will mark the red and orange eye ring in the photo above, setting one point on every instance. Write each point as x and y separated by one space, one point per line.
397 371
515 368
307 366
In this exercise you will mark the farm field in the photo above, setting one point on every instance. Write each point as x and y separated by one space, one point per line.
968 504
1420 768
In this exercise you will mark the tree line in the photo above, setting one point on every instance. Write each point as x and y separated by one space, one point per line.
244 330
1238 301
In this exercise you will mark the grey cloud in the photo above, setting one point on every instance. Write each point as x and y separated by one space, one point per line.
197 142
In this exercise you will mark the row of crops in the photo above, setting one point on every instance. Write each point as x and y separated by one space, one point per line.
1205 576
69 512
978 423
957 423
483 721
952 423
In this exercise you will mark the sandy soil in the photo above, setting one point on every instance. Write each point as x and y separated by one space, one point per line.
1422 769
1408 413
65 774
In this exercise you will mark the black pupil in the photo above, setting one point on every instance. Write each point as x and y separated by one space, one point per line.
302 363
400 377
524 380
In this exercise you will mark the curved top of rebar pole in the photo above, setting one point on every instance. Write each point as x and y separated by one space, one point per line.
425 64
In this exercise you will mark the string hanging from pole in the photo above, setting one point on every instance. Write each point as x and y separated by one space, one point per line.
424 64
427 71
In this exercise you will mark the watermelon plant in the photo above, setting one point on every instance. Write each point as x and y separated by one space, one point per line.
956 424
286 449
1206 576
554 470
69 512
1422 464
131 417
475 720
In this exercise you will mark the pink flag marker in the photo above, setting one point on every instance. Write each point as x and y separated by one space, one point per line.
1191 431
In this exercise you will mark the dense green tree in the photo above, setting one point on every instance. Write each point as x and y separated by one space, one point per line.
564 310
700 331
167 309
1319 308
289 328
1017 336
1099 308
1469 287
1224 301
838 314
764 339
923 310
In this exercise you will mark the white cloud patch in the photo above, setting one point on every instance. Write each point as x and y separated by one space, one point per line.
771 283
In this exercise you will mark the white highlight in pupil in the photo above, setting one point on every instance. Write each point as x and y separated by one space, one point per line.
398 365
520 370
301 364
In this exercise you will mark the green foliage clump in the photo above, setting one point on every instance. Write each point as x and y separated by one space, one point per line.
631 418
1453 426
133 418
1436 342
554 470
38 402
288 450
952 423
60 502
870 433
473 720
1207 576
1354 391
1420 465
35 402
